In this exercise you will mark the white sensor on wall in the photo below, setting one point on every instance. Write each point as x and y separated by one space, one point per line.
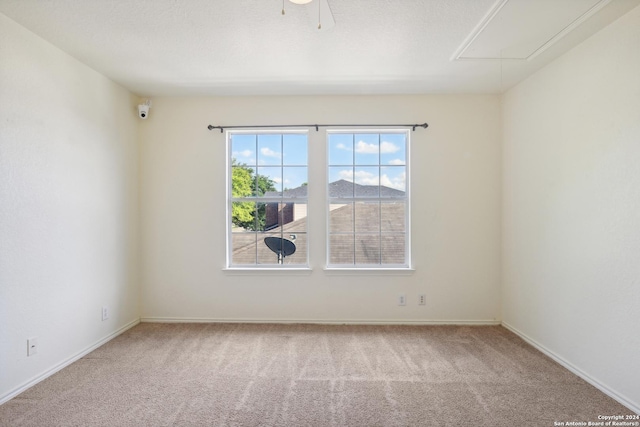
143 109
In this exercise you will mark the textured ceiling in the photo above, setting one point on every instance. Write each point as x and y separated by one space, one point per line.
247 47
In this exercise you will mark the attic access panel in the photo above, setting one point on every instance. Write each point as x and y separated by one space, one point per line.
522 29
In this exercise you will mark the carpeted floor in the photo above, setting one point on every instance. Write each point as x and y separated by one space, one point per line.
310 375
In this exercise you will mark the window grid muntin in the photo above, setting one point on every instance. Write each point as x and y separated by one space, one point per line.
282 199
353 199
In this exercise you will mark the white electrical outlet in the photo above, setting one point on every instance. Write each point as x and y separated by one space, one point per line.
402 299
105 313
32 346
422 299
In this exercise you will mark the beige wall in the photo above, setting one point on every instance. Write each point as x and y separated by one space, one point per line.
68 207
571 212
455 174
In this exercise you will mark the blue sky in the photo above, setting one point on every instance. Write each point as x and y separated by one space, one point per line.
369 159
281 157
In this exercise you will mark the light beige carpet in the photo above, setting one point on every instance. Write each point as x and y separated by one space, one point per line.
310 375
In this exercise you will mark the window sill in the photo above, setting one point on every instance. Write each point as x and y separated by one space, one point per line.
367 271
244 271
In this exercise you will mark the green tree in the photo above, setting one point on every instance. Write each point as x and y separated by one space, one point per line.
241 212
245 183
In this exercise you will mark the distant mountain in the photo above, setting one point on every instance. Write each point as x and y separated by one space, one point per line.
342 188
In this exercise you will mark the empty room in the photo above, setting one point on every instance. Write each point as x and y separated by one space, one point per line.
320 213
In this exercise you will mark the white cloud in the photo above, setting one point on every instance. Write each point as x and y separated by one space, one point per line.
346 175
266 151
277 180
388 147
244 153
366 148
361 177
341 146
399 182
366 178
396 162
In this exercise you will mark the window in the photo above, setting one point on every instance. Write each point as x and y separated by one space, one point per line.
267 199
368 199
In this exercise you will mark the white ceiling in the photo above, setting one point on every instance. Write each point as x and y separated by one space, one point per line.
247 47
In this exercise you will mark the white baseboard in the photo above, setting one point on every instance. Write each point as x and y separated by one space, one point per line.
579 372
320 321
46 374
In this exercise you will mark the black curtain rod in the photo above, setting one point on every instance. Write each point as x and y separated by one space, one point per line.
222 128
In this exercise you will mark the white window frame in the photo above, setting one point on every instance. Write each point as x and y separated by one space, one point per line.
230 200
407 265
